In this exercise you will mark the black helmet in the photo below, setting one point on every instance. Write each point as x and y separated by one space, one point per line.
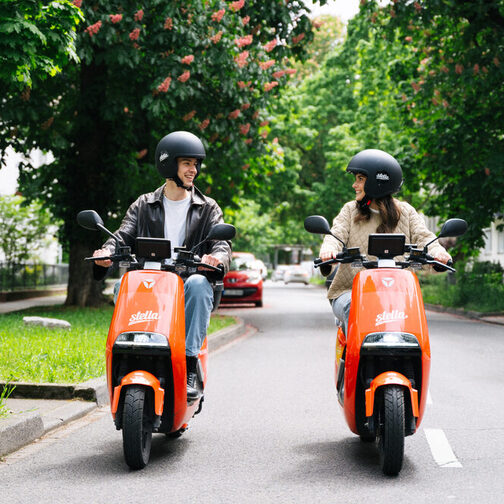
175 145
383 172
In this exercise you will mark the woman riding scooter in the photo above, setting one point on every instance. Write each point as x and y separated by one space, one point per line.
378 175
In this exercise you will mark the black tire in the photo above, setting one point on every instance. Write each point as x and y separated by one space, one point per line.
259 304
367 438
391 430
137 427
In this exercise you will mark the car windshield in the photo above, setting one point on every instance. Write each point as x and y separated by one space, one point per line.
241 264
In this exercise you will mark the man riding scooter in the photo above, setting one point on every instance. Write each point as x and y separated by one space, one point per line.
178 211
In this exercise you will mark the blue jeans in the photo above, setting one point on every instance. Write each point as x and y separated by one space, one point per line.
341 309
198 295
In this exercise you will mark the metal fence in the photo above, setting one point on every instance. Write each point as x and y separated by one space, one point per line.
31 276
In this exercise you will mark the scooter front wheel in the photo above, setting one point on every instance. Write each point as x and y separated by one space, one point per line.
137 427
391 430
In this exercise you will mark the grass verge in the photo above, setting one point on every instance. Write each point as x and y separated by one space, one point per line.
36 354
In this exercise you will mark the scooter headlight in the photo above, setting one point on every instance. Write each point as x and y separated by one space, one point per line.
141 339
396 341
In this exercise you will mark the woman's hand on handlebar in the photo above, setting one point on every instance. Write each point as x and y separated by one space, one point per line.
326 255
103 253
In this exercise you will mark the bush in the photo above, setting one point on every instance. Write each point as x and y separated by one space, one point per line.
480 289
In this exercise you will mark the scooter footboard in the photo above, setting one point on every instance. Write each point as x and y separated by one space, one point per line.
140 378
390 378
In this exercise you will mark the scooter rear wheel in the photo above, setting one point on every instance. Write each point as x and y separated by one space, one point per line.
137 427
391 431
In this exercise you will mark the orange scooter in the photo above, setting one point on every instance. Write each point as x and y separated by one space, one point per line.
382 364
145 350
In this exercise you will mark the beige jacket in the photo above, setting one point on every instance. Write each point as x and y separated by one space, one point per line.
411 224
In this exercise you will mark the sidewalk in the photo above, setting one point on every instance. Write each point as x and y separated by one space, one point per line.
44 407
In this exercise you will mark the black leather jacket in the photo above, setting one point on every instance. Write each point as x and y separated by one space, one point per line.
146 216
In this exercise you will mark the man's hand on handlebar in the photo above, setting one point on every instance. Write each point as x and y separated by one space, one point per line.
210 260
103 253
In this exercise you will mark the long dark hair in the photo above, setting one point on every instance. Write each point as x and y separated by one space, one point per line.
389 213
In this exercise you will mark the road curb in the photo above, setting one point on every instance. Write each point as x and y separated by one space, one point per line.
22 428
491 318
18 430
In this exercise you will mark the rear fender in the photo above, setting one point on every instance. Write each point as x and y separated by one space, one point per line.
390 378
140 378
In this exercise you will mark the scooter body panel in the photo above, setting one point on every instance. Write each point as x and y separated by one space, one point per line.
153 301
384 300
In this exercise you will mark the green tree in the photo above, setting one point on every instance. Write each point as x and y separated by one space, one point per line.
35 36
451 83
24 228
210 67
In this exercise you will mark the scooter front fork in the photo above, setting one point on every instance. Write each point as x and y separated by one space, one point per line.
390 378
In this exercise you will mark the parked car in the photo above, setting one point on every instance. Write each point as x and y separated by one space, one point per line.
296 273
243 282
278 272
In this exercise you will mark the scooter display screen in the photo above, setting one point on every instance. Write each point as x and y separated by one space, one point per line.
386 245
153 248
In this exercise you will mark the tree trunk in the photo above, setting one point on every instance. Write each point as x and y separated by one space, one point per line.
83 289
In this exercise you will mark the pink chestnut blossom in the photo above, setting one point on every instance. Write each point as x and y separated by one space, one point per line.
204 124
115 18
241 59
189 116
244 41
187 60
168 24
270 45
135 34
218 15
163 87
298 38
278 74
216 38
270 85
245 106
267 64
245 20
234 114
184 77
77 3
139 15
245 128
93 29
236 6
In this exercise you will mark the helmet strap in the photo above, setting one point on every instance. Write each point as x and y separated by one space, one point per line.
179 183
365 202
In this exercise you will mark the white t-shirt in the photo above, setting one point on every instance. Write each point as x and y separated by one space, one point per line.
175 221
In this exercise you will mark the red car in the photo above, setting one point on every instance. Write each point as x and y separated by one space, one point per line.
243 283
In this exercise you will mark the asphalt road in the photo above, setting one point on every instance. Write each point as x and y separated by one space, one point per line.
271 429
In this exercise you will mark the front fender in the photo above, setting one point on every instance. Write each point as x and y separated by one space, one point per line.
140 378
390 378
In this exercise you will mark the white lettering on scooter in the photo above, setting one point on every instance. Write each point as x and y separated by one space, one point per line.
392 316
143 317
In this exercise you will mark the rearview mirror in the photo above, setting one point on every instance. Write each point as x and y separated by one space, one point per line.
89 219
317 224
453 227
222 232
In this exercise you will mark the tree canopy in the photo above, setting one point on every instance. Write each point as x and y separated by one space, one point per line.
35 37
210 67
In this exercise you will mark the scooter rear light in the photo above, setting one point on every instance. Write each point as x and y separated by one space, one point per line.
389 340
141 339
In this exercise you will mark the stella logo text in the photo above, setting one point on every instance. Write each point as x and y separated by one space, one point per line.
145 316
393 316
